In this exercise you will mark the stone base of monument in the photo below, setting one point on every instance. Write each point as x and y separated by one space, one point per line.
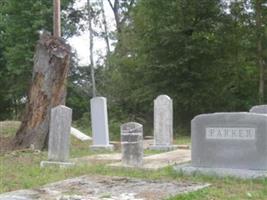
109 147
56 164
163 147
221 172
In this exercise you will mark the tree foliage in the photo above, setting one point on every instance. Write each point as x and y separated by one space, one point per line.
20 23
201 53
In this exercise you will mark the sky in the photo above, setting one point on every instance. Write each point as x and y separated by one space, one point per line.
81 43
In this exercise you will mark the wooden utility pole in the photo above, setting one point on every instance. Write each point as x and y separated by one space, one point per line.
91 47
57 21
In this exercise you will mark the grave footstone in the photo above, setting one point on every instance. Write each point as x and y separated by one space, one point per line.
132 144
79 135
99 119
59 137
163 123
260 109
230 143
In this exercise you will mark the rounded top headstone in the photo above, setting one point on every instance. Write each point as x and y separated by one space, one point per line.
261 109
163 97
61 107
98 99
132 127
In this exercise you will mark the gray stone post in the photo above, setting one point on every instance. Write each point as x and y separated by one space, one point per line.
132 144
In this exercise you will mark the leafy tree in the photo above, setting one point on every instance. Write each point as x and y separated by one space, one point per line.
20 24
197 52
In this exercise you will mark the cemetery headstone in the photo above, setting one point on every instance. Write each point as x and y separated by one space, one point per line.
99 120
132 144
230 140
229 144
163 123
59 136
261 109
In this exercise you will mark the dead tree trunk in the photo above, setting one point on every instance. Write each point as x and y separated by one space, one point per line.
48 89
260 53
105 27
91 47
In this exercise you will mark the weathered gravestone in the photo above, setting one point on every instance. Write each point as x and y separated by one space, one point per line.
163 123
229 144
230 140
99 120
261 109
132 144
59 136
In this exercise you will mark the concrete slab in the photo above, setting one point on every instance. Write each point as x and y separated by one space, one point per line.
162 160
155 161
163 148
98 158
57 164
109 188
221 172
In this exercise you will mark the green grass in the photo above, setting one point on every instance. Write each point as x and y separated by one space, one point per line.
80 149
20 170
148 152
182 140
8 128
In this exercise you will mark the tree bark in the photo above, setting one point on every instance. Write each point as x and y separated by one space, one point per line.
91 47
260 50
105 27
48 89
121 14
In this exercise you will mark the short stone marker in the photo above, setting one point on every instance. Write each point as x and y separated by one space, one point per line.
99 119
59 137
260 109
230 143
132 144
163 124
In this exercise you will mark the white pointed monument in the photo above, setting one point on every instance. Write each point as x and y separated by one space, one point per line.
99 120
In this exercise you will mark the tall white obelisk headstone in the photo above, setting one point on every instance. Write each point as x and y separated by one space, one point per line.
99 120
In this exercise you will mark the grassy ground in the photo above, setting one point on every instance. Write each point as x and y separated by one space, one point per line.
8 128
182 140
20 170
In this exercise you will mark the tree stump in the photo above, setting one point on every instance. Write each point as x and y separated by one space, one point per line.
48 89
